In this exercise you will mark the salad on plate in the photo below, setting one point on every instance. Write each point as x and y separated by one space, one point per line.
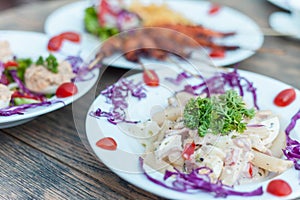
211 135
36 82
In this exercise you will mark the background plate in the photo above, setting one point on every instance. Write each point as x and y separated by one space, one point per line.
32 45
249 36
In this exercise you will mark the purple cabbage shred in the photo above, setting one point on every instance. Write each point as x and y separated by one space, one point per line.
292 150
180 77
80 69
19 110
216 85
116 95
193 182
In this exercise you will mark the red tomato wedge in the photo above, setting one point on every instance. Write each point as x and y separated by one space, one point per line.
279 188
107 143
150 78
66 90
71 36
214 9
285 97
217 53
55 43
10 64
189 150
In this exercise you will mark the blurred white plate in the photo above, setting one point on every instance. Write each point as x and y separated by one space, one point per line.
32 45
125 160
281 3
248 37
282 23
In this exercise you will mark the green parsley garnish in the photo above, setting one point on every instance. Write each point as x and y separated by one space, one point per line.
218 114
50 63
23 64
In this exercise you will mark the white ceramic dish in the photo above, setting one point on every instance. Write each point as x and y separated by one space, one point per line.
248 37
125 163
282 23
32 45
280 3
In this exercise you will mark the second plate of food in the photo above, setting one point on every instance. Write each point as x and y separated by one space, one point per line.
33 81
246 37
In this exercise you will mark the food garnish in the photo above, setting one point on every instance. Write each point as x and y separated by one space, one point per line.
55 43
279 187
195 181
66 90
292 150
285 97
107 143
218 114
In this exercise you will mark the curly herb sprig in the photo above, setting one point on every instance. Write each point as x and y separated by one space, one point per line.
217 114
50 63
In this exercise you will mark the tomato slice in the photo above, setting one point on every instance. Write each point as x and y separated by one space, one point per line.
285 97
217 53
150 78
189 150
214 9
18 94
55 43
107 143
10 64
279 187
71 36
66 90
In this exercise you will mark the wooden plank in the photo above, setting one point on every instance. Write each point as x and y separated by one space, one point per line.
26 173
59 139
55 134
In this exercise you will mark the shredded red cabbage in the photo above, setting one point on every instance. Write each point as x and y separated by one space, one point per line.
217 83
292 150
80 69
180 77
127 20
193 182
19 110
116 95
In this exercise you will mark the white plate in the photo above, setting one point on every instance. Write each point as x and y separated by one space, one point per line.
281 3
32 44
124 161
249 36
282 23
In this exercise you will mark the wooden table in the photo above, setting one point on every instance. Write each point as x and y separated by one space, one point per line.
45 158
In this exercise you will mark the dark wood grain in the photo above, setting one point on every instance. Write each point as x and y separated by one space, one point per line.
29 173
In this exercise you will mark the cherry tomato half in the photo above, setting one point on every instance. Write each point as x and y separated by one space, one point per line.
285 97
10 64
279 188
55 43
71 36
107 143
189 150
217 53
214 9
66 90
150 78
